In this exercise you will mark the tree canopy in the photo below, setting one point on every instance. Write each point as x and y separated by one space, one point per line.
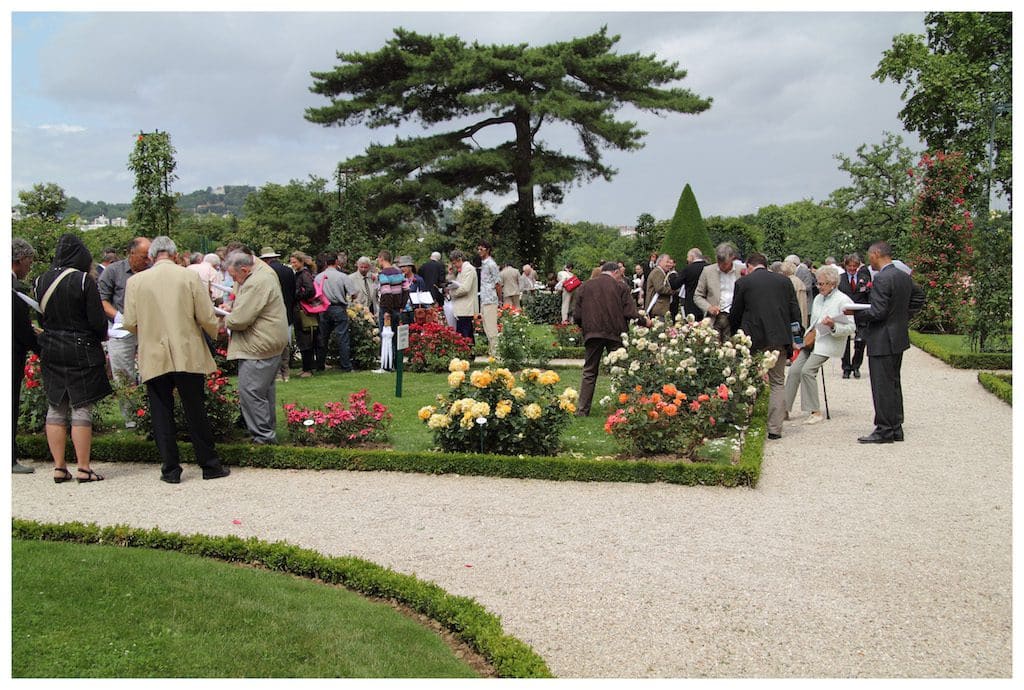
432 80
687 229
46 201
959 88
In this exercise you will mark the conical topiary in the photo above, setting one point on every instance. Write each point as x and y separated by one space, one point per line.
687 230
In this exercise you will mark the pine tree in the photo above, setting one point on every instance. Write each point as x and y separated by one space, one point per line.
687 230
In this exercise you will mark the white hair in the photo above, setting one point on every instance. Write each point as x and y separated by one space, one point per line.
162 244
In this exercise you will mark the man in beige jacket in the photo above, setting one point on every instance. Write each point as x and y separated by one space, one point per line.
259 331
168 308
463 293
715 289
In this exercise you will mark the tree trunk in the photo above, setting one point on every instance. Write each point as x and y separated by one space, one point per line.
528 236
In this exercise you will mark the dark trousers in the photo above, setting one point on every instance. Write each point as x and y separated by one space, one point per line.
858 354
191 390
19 375
887 393
594 350
335 322
464 326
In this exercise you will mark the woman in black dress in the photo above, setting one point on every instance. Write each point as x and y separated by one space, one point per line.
306 325
71 355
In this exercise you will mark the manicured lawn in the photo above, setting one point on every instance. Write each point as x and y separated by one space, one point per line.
99 611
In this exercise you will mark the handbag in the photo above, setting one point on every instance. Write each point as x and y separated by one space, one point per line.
571 283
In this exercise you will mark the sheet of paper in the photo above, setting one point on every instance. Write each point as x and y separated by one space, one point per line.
117 332
857 307
29 301
219 312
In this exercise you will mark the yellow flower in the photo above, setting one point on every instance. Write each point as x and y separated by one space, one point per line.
548 378
570 394
467 421
458 365
480 409
530 374
481 379
502 408
456 408
532 411
456 378
567 406
439 421
425 412
518 393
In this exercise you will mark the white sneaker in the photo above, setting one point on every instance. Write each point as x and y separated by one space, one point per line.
814 418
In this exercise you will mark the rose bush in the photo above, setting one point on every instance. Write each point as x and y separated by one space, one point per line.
220 401
32 411
433 345
516 348
492 411
336 425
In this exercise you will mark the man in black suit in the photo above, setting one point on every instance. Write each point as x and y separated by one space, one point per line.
691 274
895 297
286 277
22 256
764 305
855 281
434 273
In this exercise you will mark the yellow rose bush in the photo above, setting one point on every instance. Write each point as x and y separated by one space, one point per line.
491 411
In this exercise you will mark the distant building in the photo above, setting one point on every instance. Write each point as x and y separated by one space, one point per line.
627 230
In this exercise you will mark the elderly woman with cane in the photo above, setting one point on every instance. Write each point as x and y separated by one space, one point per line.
825 338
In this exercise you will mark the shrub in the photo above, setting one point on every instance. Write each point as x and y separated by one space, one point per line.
515 346
686 354
541 306
32 411
666 422
220 401
433 345
686 229
999 385
489 409
364 338
336 425
567 335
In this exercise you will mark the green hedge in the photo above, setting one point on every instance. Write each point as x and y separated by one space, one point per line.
542 306
961 359
568 353
1000 385
510 657
746 473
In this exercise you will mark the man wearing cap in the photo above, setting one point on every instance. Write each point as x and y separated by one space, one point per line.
433 273
286 277
338 290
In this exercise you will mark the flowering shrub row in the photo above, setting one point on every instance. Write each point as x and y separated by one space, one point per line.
221 403
492 411
433 345
567 335
337 425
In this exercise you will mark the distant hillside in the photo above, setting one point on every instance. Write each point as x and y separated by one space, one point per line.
219 201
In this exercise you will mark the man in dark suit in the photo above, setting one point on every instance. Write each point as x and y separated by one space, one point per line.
22 256
286 276
764 305
691 274
895 297
434 273
855 281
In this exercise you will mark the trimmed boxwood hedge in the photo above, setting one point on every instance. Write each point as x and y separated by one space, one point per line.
963 360
745 473
510 657
1000 385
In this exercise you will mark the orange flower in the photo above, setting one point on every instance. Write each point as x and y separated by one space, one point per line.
671 410
652 414
638 388
703 397
680 397
656 397
694 406
670 390
623 398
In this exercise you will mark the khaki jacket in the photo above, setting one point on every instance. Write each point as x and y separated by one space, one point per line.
464 296
169 309
258 321
709 287
657 284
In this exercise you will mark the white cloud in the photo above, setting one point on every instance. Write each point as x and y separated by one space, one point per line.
62 129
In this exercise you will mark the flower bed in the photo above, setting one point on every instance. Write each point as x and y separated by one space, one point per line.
676 386
491 410
433 345
220 401
337 425
516 348
32 411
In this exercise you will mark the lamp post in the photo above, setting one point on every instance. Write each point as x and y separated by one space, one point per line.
997 109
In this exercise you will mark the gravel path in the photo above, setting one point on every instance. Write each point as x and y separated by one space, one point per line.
846 561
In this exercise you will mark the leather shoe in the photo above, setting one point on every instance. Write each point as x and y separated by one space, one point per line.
171 479
897 435
856 373
874 438
846 374
774 437
217 474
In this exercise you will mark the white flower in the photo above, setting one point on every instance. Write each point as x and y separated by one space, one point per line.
731 380
726 372
604 401
616 370
634 366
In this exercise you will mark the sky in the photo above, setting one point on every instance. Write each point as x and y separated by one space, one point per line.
790 90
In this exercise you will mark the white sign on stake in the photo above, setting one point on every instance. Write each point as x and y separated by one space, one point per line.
403 337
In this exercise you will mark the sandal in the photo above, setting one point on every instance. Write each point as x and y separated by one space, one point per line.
90 477
65 477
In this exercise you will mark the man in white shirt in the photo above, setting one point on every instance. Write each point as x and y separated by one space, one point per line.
490 294
715 289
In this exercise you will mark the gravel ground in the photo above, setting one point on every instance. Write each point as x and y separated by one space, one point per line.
846 561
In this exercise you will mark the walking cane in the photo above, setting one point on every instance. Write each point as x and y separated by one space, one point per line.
825 391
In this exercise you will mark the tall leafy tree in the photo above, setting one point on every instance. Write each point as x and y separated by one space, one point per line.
496 89
877 203
958 89
288 217
687 229
154 208
47 201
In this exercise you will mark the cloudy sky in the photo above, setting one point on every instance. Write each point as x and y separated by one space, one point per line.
790 91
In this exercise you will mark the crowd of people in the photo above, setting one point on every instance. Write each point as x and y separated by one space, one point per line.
153 317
